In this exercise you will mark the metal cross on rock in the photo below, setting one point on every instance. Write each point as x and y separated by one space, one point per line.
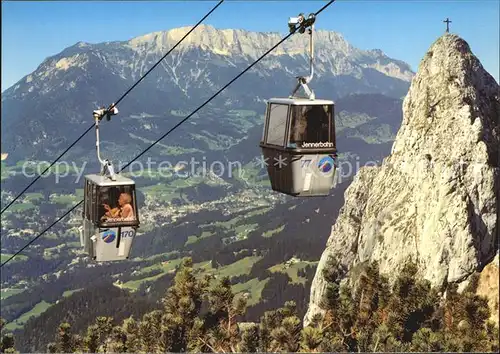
447 21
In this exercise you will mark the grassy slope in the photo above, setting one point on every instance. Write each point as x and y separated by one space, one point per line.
36 311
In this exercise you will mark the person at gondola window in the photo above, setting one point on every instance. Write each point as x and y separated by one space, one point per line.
125 202
124 211
299 126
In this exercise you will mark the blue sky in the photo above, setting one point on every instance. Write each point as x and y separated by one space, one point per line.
33 31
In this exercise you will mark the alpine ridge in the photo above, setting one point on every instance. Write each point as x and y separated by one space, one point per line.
86 76
230 42
435 199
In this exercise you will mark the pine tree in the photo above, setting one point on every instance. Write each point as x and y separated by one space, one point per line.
197 341
312 338
411 305
267 322
104 327
64 339
131 330
224 308
118 342
7 343
7 340
280 330
91 340
384 340
77 343
182 306
249 339
52 347
150 331
340 311
426 340
466 326
492 335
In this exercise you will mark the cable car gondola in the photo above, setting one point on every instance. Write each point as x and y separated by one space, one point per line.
298 140
110 215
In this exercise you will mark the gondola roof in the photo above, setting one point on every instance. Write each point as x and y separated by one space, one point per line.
105 181
299 101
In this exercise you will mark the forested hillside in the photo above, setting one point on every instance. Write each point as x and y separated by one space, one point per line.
202 314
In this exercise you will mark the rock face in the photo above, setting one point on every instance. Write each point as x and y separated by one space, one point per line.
435 199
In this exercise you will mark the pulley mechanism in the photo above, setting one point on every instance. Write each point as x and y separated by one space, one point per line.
99 114
105 112
304 23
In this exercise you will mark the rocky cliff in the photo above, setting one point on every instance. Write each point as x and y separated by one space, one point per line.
435 199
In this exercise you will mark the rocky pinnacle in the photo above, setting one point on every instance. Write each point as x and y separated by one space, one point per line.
435 199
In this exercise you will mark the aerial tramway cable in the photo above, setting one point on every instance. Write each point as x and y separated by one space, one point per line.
112 106
172 129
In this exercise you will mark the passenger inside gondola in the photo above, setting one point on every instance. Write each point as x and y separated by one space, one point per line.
122 210
126 210
299 125
310 124
318 118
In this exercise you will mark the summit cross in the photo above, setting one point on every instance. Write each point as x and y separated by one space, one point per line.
447 21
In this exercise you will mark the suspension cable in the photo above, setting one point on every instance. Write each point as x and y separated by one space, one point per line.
171 130
112 106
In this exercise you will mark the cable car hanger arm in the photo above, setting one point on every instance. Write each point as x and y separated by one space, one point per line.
99 114
304 23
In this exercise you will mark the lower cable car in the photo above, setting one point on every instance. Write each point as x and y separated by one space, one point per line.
110 215
298 140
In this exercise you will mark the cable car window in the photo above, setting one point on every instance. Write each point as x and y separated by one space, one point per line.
93 201
277 119
117 204
87 200
263 139
311 126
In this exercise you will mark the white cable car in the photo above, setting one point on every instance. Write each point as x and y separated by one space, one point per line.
110 215
298 140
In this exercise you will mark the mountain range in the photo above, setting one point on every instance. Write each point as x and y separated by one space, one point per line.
65 88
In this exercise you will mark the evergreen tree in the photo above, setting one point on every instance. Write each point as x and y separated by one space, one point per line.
280 329
91 340
64 339
182 306
466 326
492 337
7 343
118 342
249 339
7 340
267 322
150 331
52 347
224 308
131 330
411 305
384 340
77 343
311 339
104 326
197 341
